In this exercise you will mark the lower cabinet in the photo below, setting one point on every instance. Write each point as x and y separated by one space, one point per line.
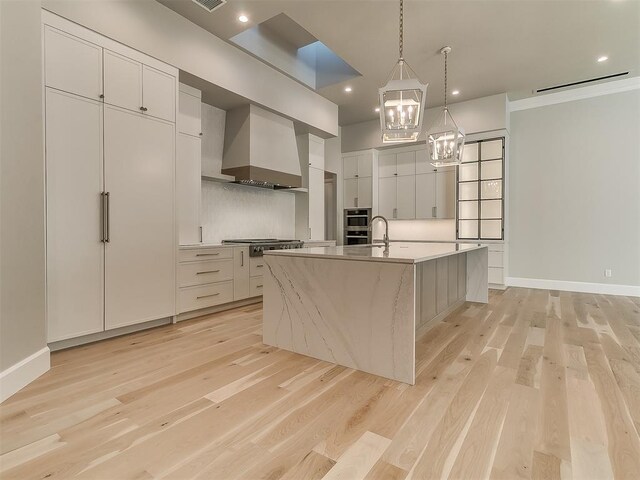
212 276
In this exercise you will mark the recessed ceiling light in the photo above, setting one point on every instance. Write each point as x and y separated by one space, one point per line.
348 89
455 92
243 18
603 58
377 109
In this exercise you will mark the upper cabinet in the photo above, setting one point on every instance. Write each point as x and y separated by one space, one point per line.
357 171
411 188
122 81
158 94
189 111
72 65
396 164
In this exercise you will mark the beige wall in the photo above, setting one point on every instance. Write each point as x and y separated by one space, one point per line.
152 28
22 240
575 191
474 116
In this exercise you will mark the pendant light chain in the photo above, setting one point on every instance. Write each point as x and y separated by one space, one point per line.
401 28
445 80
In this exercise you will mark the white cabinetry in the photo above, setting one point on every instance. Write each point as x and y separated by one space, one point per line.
75 254
241 283
122 81
139 258
72 64
188 166
310 207
158 93
110 187
410 188
357 171
397 185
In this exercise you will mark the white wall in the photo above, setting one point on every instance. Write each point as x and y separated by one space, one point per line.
152 28
22 215
575 191
237 211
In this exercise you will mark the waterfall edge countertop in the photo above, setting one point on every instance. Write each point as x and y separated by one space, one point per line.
399 252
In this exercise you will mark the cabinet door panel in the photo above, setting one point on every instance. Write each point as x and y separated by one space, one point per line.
387 196
406 163
387 165
350 167
423 164
189 114
140 257
75 253
365 197
350 192
365 165
316 203
159 93
71 64
446 194
188 182
240 273
122 81
425 195
406 203
316 153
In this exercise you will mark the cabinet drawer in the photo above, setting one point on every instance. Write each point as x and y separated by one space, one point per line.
495 259
199 254
256 266
255 287
496 275
194 298
200 273
496 247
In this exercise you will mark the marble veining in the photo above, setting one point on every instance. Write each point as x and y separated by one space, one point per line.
361 316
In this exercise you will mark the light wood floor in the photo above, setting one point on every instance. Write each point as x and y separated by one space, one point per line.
536 384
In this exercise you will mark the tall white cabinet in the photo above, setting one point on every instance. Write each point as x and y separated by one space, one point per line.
310 213
358 171
110 163
189 165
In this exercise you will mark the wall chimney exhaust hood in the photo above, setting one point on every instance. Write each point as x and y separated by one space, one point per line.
260 149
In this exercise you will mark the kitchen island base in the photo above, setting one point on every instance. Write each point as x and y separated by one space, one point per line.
364 314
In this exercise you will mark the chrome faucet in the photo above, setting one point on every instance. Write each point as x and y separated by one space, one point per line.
385 238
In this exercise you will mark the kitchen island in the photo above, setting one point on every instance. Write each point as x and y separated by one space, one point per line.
363 306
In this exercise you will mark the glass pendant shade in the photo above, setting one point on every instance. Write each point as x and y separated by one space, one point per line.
446 141
402 102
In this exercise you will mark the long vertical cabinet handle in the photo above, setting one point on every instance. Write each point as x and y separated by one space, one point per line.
201 234
242 258
103 218
107 218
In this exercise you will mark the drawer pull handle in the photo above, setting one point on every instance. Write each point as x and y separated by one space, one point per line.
208 271
260 265
207 254
205 296
258 286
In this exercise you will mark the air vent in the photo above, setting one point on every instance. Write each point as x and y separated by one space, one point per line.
210 5
581 82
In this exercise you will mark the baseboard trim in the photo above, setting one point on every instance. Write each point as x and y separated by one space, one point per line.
218 308
18 376
582 287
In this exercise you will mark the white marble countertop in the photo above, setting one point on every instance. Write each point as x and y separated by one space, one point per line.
399 252
208 245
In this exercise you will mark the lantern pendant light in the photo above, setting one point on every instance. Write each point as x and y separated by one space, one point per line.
445 139
402 100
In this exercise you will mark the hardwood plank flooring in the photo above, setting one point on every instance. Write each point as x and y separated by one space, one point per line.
535 384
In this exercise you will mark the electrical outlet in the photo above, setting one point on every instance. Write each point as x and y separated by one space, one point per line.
607 273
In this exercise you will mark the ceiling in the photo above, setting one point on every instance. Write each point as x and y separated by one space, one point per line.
513 46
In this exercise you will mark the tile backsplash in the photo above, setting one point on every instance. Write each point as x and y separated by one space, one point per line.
237 211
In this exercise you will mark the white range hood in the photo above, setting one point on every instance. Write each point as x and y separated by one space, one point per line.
260 149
